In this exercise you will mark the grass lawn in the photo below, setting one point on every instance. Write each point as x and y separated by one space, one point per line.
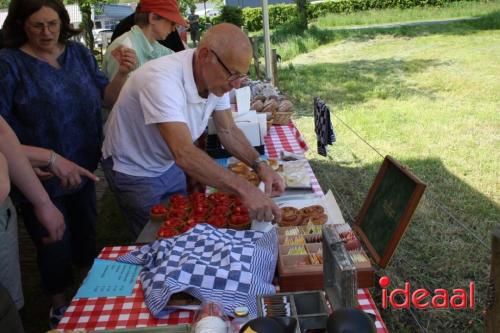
290 42
430 97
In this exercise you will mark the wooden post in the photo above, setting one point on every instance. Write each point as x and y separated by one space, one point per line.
275 67
493 307
255 51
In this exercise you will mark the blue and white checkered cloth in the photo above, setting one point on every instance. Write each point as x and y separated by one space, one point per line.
223 265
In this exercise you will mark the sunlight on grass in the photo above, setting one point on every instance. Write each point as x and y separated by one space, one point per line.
431 98
290 42
393 15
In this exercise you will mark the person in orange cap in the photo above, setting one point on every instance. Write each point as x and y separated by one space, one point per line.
154 20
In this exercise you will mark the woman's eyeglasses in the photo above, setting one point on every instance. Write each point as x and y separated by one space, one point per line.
52 26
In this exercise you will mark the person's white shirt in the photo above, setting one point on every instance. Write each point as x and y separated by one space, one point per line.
162 90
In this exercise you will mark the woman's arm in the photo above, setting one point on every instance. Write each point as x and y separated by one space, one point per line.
67 171
4 178
24 178
127 61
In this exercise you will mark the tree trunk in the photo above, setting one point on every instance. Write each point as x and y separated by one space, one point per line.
302 13
87 24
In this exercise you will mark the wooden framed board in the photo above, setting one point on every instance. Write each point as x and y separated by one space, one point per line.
387 210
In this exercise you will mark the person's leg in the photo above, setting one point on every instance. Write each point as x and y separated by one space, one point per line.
9 317
192 33
10 271
82 221
136 195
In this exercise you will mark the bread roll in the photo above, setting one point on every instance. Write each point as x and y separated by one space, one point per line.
285 106
270 106
257 105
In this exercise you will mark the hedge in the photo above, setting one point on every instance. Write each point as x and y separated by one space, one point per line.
279 14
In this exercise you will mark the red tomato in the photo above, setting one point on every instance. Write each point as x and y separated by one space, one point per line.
172 222
240 219
177 200
197 197
217 221
166 232
219 197
184 228
158 209
220 210
199 210
200 219
191 222
177 213
240 210
237 202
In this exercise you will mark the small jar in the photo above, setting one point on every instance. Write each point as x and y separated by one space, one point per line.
240 318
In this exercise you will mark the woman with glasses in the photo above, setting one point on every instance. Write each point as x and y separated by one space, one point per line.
51 93
154 21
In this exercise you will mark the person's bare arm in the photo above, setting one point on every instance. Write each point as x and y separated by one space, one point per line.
127 60
24 178
4 178
233 139
68 172
200 166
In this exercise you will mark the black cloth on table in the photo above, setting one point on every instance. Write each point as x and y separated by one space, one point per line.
173 40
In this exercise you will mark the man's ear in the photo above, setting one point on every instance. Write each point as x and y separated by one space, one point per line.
203 54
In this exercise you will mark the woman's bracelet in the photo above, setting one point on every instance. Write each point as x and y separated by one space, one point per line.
52 160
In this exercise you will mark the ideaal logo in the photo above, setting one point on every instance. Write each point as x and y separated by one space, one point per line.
422 298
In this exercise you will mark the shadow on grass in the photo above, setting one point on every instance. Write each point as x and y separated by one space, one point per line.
291 42
435 251
353 82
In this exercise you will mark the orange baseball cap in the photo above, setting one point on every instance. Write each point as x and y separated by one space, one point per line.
167 9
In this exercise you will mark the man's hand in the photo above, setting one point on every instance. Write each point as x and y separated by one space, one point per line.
274 184
70 173
52 219
126 58
260 206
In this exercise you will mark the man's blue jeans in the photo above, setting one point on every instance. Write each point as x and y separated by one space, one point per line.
136 195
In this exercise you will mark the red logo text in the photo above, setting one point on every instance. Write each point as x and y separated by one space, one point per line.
422 298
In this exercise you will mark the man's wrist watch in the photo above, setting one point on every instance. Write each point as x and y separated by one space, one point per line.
255 164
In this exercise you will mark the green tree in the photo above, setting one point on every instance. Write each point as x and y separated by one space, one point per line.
87 23
4 3
185 5
302 13
231 14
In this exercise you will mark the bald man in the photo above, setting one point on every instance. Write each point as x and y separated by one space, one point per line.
162 109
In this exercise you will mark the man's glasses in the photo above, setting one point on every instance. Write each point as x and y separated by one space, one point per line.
232 76
52 26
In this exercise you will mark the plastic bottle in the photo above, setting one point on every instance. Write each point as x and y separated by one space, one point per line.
240 318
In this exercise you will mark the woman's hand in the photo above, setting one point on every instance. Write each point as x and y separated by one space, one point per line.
42 175
126 58
52 219
70 173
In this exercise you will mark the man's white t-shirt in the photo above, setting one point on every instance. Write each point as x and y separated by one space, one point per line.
162 90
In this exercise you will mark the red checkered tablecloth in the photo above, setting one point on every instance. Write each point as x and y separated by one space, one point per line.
131 311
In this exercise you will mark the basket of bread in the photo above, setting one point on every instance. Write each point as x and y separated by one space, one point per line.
267 99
